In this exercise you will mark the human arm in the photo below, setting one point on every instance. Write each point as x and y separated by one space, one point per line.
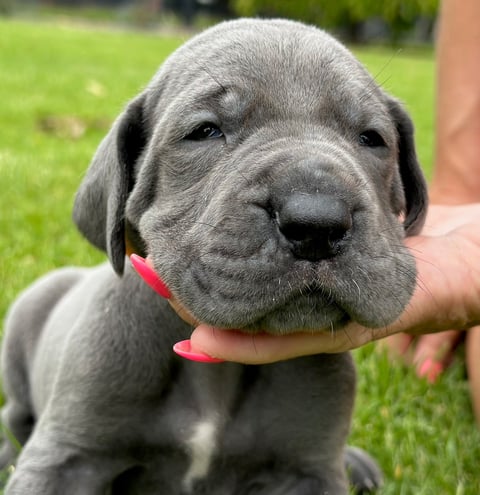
456 177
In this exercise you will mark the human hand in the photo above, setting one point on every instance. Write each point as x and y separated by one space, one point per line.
447 296
432 353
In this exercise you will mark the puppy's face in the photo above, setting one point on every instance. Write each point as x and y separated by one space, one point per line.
269 180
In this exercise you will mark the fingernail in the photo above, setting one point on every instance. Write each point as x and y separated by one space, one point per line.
184 349
149 275
430 370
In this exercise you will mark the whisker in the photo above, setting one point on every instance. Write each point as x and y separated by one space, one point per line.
384 66
375 82
209 74
204 223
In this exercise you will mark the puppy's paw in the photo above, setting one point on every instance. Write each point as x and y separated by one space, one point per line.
364 474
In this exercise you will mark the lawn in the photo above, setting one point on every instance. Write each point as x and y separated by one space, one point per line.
60 88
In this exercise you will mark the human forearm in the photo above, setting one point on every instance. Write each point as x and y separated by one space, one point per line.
456 177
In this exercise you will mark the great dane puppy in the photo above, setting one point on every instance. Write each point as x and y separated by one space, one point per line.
270 182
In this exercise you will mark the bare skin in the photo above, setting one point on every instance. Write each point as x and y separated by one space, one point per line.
456 177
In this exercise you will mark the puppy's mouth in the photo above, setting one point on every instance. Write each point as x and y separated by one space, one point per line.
276 319
313 308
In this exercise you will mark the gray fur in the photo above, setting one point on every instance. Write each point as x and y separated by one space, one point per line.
93 388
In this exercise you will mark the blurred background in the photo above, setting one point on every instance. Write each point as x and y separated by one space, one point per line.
353 20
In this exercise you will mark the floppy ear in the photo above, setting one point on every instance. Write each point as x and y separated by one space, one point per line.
413 181
99 208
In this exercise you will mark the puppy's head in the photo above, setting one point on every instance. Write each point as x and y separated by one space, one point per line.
268 178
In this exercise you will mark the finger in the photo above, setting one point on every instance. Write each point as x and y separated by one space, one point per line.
433 353
264 348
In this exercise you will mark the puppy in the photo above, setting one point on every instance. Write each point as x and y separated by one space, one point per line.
270 182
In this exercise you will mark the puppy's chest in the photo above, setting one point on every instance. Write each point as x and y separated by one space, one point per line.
218 425
202 446
230 420
202 413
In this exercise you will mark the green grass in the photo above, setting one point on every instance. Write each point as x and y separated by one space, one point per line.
60 87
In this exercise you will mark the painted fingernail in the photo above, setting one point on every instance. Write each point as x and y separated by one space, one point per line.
184 349
430 370
149 275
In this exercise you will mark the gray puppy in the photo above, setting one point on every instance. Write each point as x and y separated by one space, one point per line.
271 182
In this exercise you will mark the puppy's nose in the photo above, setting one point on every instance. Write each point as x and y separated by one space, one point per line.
314 224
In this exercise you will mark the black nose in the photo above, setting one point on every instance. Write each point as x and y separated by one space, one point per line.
314 224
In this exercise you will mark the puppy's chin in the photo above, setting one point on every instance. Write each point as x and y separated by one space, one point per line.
301 315
291 318
276 325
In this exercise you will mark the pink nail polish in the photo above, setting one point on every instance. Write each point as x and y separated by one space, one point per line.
184 349
149 275
423 370
431 370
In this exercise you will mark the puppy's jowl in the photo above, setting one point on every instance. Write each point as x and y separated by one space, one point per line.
270 182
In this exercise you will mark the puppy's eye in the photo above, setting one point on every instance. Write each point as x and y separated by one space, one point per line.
205 131
372 139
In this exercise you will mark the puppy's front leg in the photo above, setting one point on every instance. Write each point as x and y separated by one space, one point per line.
50 468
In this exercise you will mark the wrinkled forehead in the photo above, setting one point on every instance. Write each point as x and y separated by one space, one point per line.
295 68
270 54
